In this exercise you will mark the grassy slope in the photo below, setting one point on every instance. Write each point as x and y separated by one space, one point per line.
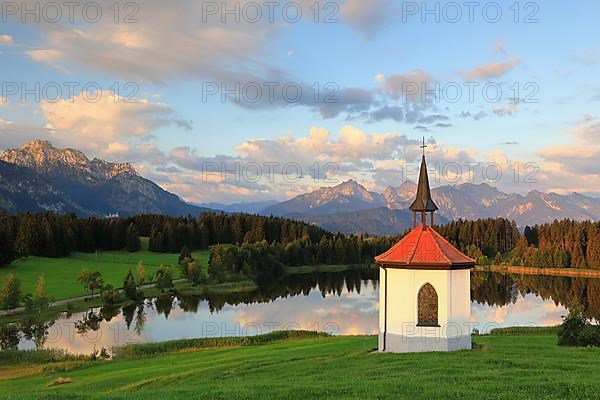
506 367
60 273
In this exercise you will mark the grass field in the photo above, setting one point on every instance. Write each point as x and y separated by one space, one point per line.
503 367
61 273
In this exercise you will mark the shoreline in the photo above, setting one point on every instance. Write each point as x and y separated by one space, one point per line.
181 286
84 302
570 272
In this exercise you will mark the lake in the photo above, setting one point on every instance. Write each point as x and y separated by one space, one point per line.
341 303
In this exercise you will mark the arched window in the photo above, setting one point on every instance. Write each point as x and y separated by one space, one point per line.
427 308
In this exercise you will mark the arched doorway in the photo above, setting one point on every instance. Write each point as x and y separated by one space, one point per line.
427 306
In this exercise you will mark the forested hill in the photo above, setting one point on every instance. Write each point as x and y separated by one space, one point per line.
564 243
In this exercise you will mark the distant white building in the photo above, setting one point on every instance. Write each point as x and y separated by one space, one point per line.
425 287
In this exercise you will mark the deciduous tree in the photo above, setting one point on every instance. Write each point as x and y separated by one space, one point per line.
91 281
10 294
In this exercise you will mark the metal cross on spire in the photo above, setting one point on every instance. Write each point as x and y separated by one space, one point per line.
423 146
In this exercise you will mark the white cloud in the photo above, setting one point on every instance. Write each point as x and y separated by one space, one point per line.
499 48
168 42
376 160
493 70
6 39
351 145
366 16
104 126
406 86
588 129
573 166
45 56
510 109
588 58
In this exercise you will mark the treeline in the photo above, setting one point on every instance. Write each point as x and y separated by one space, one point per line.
264 259
483 237
169 234
563 243
560 244
54 235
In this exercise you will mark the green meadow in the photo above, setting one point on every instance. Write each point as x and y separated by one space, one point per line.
61 273
307 366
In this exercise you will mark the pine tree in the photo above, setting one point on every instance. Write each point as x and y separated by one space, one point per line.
7 240
140 273
22 246
593 249
133 239
129 286
47 247
184 254
170 242
88 243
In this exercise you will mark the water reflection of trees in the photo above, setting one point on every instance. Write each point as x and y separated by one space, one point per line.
37 331
501 289
328 283
136 314
91 321
10 336
489 288
32 330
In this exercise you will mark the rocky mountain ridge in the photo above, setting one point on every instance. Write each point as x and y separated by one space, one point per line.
39 177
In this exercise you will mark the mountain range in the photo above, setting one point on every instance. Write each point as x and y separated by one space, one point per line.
39 177
349 207
251 207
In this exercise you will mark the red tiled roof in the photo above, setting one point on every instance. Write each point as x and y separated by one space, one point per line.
423 246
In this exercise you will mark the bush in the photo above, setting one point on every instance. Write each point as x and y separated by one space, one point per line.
576 330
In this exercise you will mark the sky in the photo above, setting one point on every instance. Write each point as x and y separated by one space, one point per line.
234 101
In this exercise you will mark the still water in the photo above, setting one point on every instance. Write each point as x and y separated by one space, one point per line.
341 303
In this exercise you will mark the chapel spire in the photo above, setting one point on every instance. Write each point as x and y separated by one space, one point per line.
423 203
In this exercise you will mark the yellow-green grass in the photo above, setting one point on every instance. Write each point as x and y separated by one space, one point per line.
502 367
61 273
